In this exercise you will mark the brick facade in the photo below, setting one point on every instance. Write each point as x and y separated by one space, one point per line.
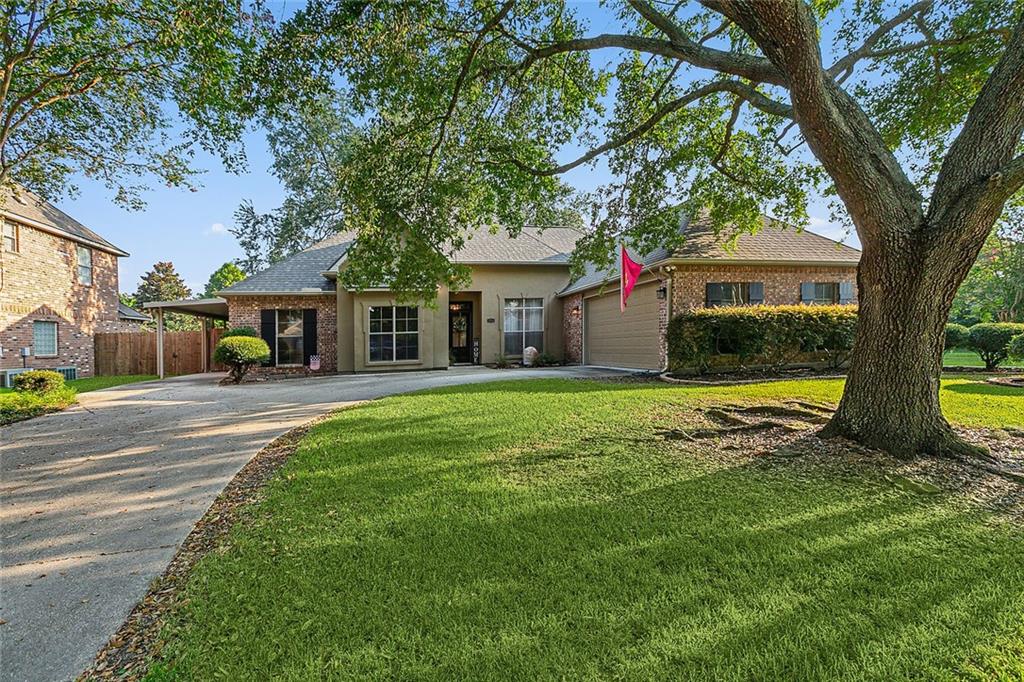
781 287
39 282
244 311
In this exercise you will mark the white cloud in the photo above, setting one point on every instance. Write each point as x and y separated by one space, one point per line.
216 228
815 221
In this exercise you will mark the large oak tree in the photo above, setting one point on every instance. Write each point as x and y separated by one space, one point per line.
469 112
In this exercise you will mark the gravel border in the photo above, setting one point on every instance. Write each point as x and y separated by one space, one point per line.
127 655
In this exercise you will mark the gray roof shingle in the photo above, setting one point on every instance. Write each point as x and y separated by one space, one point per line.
22 204
299 273
533 245
776 242
128 313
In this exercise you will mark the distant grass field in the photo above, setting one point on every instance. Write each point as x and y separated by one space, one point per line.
539 530
962 357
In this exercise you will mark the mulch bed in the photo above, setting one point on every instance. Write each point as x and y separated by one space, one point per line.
128 653
1012 382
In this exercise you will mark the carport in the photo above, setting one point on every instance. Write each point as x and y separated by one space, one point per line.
204 308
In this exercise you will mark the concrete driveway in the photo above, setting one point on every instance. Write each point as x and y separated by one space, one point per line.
96 500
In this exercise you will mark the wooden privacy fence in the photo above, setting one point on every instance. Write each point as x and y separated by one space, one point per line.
135 352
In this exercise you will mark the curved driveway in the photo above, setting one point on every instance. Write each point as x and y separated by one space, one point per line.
94 501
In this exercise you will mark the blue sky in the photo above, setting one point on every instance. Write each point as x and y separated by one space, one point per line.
191 228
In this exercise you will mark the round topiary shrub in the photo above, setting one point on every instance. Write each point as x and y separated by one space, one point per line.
239 331
240 354
1015 349
956 336
39 381
991 340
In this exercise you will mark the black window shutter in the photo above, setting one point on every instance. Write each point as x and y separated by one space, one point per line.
268 331
308 334
713 294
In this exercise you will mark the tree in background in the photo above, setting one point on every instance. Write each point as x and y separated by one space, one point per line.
222 278
311 143
911 115
163 283
994 288
101 89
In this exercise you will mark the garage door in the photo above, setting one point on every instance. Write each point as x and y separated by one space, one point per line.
629 339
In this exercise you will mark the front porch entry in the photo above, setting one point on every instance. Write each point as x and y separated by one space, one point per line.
464 328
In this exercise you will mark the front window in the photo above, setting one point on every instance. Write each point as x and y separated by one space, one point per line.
44 338
823 293
289 337
394 333
10 237
524 324
720 294
84 265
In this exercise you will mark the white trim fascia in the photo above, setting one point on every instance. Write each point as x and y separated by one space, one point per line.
228 294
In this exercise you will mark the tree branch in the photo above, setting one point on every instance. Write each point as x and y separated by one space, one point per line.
474 47
742 91
869 43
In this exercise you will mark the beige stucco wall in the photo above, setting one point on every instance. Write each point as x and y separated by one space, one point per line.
490 285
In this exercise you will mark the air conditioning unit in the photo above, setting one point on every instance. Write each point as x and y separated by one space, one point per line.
7 377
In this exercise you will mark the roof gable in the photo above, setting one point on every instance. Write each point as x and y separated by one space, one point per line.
24 206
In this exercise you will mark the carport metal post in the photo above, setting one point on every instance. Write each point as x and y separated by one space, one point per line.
160 342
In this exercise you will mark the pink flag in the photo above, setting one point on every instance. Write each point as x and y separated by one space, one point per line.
627 280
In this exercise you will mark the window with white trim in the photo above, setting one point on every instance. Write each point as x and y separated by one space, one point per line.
84 264
44 338
10 237
289 337
819 293
524 324
394 333
718 294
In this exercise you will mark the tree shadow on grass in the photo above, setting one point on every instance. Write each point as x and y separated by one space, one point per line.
402 545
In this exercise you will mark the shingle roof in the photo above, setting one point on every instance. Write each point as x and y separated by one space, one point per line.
299 273
776 242
533 245
128 313
24 205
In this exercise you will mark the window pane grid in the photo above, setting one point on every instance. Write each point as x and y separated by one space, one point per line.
10 237
290 349
44 338
394 333
524 324
84 265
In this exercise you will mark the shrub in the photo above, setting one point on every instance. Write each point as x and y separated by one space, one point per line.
39 381
775 335
239 331
1016 347
25 405
241 353
545 359
501 361
956 336
991 340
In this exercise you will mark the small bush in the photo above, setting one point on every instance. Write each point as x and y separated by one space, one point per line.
956 336
773 335
991 341
240 354
501 361
239 331
1016 347
39 381
545 359
21 405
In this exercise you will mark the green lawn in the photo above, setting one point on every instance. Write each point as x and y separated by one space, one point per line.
16 406
968 358
540 529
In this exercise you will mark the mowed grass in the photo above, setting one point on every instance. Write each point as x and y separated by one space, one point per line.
968 358
540 529
15 406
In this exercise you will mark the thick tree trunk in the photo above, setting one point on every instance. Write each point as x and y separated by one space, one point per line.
891 399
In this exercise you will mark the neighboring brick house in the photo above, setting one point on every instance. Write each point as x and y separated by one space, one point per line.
520 295
58 287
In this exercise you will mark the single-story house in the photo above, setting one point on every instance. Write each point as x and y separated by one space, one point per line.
521 295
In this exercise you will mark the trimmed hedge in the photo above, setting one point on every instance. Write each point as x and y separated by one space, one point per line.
956 336
1016 347
241 353
39 381
772 335
239 331
991 341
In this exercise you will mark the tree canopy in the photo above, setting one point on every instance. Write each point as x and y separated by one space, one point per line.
994 288
222 278
120 91
163 283
468 113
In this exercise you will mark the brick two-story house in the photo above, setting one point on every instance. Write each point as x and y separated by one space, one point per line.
58 287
